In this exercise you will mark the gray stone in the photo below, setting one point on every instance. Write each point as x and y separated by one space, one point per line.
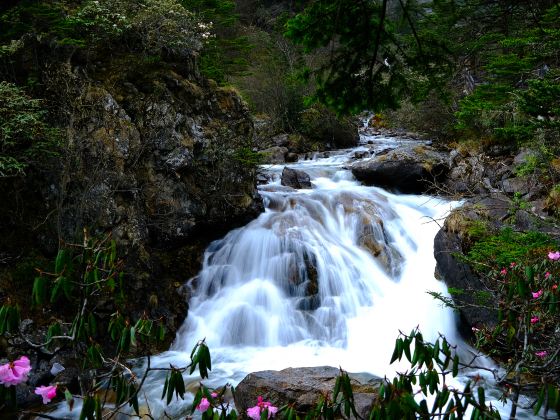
178 159
295 178
281 140
411 169
292 157
275 154
523 156
458 275
303 387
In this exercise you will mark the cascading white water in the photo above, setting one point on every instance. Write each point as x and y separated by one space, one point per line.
326 276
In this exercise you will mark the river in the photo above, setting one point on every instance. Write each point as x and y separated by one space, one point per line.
301 285
325 276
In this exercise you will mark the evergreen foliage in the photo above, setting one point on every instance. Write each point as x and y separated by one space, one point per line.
25 137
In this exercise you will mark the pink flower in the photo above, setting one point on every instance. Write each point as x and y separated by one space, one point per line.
203 405
554 255
537 295
214 395
554 286
15 372
255 412
547 275
534 320
47 392
503 272
541 354
512 264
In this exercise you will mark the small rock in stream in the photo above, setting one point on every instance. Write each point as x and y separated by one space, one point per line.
295 178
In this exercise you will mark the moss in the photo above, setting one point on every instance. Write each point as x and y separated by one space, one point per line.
509 246
552 203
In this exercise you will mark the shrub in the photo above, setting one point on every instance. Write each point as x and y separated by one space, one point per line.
154 26
25 137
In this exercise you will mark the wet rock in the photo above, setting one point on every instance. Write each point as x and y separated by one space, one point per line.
295 178
302 387
291 157
408 170
262 178
448 244
458 275
374 238
276 188
275 154
361 154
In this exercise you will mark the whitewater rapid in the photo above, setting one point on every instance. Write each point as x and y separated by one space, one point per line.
325 276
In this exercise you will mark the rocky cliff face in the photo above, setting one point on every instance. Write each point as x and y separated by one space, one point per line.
156 156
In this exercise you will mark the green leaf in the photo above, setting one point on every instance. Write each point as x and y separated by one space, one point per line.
530 274
336 388
407 350
161 331
165 386
481 398
3 319
180 385
98 410
57 290
395 355
171 387
455 371
60 261
39 291
67 288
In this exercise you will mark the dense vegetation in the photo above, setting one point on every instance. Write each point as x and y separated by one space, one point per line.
486 72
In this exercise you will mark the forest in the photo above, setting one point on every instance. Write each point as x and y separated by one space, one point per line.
352 188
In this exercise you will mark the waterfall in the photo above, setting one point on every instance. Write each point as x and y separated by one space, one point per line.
325 276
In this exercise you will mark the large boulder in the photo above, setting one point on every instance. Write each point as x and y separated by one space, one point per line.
407 169
274 154
302 387
295 178
458 275
450 243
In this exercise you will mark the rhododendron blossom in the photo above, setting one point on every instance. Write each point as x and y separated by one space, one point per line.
15 372
255 412
537 295
47 392
541 354
203 405
547 275
534 320
554 255
503 272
